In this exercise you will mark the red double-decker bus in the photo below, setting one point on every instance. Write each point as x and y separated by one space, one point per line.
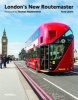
51 48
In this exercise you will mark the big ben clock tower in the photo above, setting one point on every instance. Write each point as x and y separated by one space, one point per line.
4 43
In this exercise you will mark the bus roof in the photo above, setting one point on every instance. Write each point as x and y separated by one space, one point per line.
54 24
51 24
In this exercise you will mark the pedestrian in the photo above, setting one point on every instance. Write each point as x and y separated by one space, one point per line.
4 61
1 61
8 58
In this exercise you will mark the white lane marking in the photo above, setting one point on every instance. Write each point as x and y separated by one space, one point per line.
9 94
32 71
61 89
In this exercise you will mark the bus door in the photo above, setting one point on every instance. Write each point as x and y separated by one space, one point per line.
44 57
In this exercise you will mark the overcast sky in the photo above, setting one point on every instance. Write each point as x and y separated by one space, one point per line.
20 26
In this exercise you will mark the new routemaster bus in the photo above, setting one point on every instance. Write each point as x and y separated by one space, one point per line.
51 48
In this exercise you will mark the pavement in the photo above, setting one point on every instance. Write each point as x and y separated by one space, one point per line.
13 85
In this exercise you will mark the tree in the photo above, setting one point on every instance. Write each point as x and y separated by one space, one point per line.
75 51
22 54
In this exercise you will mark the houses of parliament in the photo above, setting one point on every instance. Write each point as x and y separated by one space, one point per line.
4 42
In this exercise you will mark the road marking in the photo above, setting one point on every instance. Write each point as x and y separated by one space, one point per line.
61 89
32 71
9 94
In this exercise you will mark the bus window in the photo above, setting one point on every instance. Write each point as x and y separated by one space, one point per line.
38 52
52 52
56 51
41 39
35 53
60 51
42 52
31 53
68 33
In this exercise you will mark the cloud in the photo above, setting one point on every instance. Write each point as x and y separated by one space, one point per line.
2 2
13 2
76 45
58 1
14 48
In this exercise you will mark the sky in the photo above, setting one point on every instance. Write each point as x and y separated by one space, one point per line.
20 26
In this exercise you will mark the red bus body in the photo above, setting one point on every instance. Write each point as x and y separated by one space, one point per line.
51 48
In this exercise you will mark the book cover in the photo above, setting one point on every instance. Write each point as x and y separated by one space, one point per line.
19 19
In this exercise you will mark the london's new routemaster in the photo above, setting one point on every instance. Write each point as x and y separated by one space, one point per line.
51 48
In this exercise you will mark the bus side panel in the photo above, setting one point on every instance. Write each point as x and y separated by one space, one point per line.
32 63
37 61
67 62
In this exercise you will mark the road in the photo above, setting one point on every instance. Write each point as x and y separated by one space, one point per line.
61 86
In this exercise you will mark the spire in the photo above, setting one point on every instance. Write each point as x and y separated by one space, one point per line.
4 29
4 33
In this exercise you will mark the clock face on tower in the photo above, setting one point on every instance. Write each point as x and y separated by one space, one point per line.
4 40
